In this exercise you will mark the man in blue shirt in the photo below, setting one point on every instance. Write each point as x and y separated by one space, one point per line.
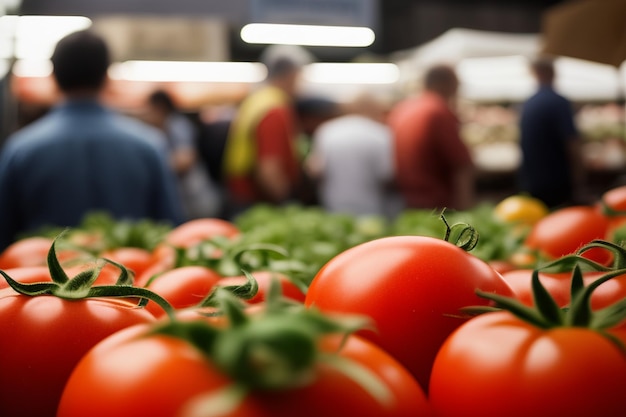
551 168
81 156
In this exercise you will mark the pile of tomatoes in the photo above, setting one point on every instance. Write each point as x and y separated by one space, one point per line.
201 325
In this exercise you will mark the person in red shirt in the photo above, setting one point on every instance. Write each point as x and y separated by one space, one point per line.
434 168
260 159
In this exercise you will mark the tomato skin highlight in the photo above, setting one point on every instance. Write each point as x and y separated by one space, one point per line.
133 374
43 338
413 288
498 365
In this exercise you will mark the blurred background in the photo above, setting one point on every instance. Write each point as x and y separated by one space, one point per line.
206 52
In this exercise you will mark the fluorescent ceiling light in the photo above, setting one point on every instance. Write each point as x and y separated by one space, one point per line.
308 35
32 68
181 71
36 36
351 73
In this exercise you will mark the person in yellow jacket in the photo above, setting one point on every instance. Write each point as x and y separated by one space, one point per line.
260 160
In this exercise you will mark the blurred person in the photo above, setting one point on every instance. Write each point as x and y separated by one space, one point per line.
200 196
260 156
81 156
352 160
312 111
434 167
551 167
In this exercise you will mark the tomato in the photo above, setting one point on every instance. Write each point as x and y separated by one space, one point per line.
264 280
615 198
565 230
31 251
44 337
413 288
182 287
498 365
559 287
133 373
135 259
521 209
197 230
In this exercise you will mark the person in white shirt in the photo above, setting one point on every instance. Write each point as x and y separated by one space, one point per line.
352 160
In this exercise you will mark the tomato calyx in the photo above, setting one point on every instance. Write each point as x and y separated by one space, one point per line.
275 349
547 314
81 285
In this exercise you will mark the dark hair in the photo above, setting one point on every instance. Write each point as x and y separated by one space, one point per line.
163 100
543 67
80 60
439 75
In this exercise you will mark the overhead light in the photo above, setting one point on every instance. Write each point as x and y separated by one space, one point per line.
36 36
181 71
307 35
32 68
351 73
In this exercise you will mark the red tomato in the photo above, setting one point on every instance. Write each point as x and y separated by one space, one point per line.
613 205
559 287
413 288
197 230
264 280
182 287
162 376
565 230
31 251
615 198
135 259
497 365
44 337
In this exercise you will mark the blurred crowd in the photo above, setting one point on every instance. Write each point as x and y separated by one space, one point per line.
364 156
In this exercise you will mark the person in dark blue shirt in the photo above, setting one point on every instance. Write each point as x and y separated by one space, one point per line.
82 156
551 168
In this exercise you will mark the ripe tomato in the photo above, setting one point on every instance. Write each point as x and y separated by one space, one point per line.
31 251
559 287
163 376
135 259
413 288
615 198
44 337
565 230
182 287
264 280
197 230
498 365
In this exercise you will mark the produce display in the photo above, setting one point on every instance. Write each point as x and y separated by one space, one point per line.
507 309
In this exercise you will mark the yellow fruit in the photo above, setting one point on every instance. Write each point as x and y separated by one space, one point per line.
520 209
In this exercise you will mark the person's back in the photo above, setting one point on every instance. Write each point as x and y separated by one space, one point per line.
547 138
434 168
357 164
82 157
